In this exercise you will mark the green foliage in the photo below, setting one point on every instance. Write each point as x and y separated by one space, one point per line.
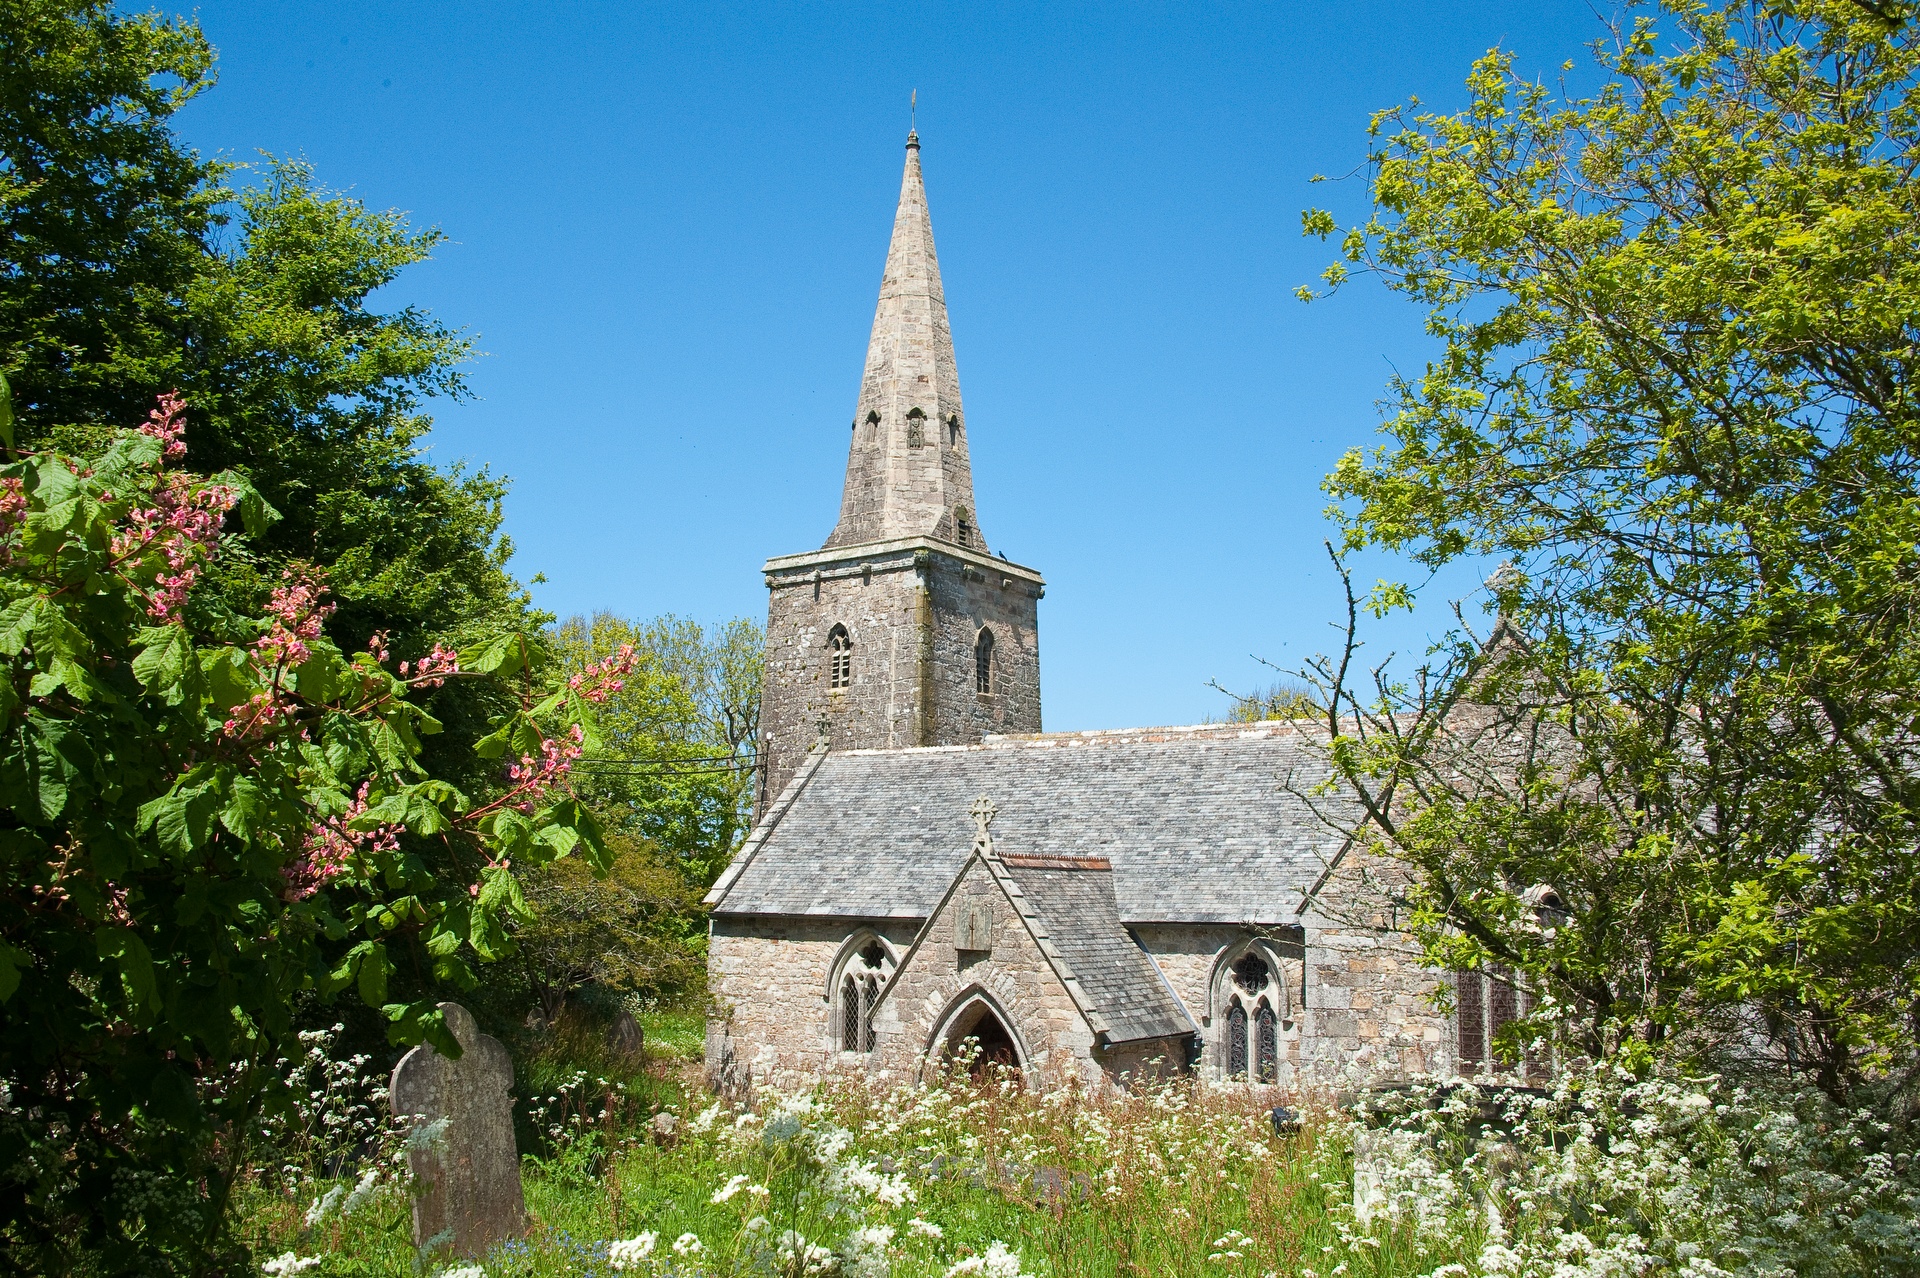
133 269
635 929
675 761
204 814
1674 392
1284 699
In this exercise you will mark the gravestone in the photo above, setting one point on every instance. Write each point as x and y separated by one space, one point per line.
625 1036
465 1163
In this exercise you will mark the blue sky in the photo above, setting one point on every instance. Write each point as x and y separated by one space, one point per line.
667 227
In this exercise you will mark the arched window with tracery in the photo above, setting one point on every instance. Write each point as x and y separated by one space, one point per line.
983 662
862 977
1236 1040
1257 995
1266 1044
839 659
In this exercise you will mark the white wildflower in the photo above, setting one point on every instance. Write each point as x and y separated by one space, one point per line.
998 1262
628 1253
731 1188
287 1264
924 1228
324 1204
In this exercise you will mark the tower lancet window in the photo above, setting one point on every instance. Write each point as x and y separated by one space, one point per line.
916 428
839 659
953 431
962 526
983 662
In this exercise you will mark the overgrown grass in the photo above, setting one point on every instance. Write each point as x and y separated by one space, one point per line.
1178 1180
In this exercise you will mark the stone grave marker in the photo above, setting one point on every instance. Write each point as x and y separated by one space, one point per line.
465 1162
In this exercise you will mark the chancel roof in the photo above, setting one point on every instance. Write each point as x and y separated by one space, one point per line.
1202 825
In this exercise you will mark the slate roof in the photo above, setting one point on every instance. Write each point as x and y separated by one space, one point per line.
1077 906
1199 823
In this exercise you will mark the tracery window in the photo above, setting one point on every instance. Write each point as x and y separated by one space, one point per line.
860 984
1485 1004
839 659
983 662
916 428
1252 1039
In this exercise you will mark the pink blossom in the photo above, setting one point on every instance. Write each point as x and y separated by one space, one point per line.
181 527
432 670
535 776
330 845
164 424
601 679
297 615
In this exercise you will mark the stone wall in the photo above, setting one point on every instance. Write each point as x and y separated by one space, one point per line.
1370 1004
1189 956
913 610
937 979
767 981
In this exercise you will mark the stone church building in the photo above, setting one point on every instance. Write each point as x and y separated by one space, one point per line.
930 868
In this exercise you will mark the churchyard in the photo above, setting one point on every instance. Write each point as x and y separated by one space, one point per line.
632 1167
359 916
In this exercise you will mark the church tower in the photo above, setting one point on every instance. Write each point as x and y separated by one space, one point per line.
903 630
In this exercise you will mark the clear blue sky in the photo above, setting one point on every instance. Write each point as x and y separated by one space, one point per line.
668 224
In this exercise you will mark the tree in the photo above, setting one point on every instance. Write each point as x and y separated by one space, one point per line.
203 814
675 764
133 268
634 929
1677 320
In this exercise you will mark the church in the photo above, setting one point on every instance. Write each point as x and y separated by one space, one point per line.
930 872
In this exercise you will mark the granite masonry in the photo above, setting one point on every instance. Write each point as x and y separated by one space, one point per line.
931 875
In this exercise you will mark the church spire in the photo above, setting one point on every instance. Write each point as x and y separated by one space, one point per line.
907 469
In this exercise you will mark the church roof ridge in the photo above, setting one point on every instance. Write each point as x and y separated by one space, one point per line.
1265 729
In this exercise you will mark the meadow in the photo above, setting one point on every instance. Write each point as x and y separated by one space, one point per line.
1606 1175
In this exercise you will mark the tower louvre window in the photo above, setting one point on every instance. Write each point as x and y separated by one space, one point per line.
962 526
953 431
983 662
839 659
916 428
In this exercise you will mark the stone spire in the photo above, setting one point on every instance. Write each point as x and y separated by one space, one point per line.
907 469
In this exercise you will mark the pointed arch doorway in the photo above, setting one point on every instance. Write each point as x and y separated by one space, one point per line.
977 1027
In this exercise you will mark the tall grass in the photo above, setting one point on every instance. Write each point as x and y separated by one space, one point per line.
1177 1179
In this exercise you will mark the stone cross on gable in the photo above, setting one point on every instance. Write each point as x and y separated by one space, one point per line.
983 813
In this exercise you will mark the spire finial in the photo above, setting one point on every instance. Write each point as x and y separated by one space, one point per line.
913 118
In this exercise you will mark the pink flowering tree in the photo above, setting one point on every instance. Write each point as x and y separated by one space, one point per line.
204 816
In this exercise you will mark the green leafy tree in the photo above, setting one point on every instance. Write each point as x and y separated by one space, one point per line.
1677 321
133 267
205 814
675 763
633 930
